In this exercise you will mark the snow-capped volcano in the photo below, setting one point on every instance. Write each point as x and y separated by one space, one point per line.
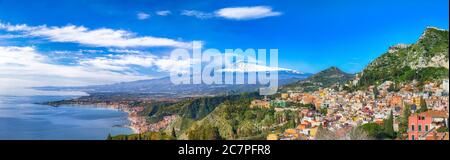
253 67
164 85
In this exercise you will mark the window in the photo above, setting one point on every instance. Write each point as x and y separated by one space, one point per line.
426 128
420 128
412 127
412 137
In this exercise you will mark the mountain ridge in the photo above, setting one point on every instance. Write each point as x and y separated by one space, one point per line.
332 76
426 59
164 86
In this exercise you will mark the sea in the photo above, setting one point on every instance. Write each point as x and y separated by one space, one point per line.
22 118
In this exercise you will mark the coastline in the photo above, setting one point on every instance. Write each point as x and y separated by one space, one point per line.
138 124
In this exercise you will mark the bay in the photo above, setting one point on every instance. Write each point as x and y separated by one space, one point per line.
22 119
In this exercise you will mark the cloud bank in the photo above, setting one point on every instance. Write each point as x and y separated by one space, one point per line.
22 68
103 37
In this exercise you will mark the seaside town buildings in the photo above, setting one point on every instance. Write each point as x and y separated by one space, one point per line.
340 110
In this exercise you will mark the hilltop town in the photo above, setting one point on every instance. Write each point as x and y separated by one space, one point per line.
415 114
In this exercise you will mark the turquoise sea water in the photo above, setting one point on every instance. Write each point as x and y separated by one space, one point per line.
22 119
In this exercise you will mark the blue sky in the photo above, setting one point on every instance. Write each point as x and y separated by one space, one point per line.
310 35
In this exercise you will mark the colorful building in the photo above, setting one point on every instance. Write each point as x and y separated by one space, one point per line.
422 124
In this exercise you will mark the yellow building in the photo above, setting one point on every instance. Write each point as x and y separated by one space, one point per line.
260 104
313 131
272 137
284 96
416 101
291 133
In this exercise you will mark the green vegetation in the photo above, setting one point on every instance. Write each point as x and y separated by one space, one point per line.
389 126
442 129
393 88
323 79
381 132
205 133
234 119
174 134
143 136
407 63
189 110
403 125
324 111
375 92
376 131
423 106
405 74
109 137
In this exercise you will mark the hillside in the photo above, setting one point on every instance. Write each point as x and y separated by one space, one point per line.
425 60
234 119
323 79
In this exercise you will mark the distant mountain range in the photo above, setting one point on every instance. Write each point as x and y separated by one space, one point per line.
332 76
164 86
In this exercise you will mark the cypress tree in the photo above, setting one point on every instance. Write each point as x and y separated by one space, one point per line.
423 106
174 135
389 126
375 92
404 118
109 137
216 134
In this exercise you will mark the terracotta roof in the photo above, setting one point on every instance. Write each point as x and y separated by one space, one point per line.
435 114
436 136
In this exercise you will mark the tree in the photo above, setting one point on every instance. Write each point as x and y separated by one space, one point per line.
357 133
373 130
325 134
389 126
403 128
391 88
324 111
375 92
423 106
174 135
442 129
215 134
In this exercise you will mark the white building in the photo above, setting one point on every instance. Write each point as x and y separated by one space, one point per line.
445 85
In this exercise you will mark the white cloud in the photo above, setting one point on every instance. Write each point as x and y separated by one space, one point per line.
123 63
22 68
103 37
11 36
235 13
163 13
124 51
197 14
119 62
143 16
174 66
247 13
